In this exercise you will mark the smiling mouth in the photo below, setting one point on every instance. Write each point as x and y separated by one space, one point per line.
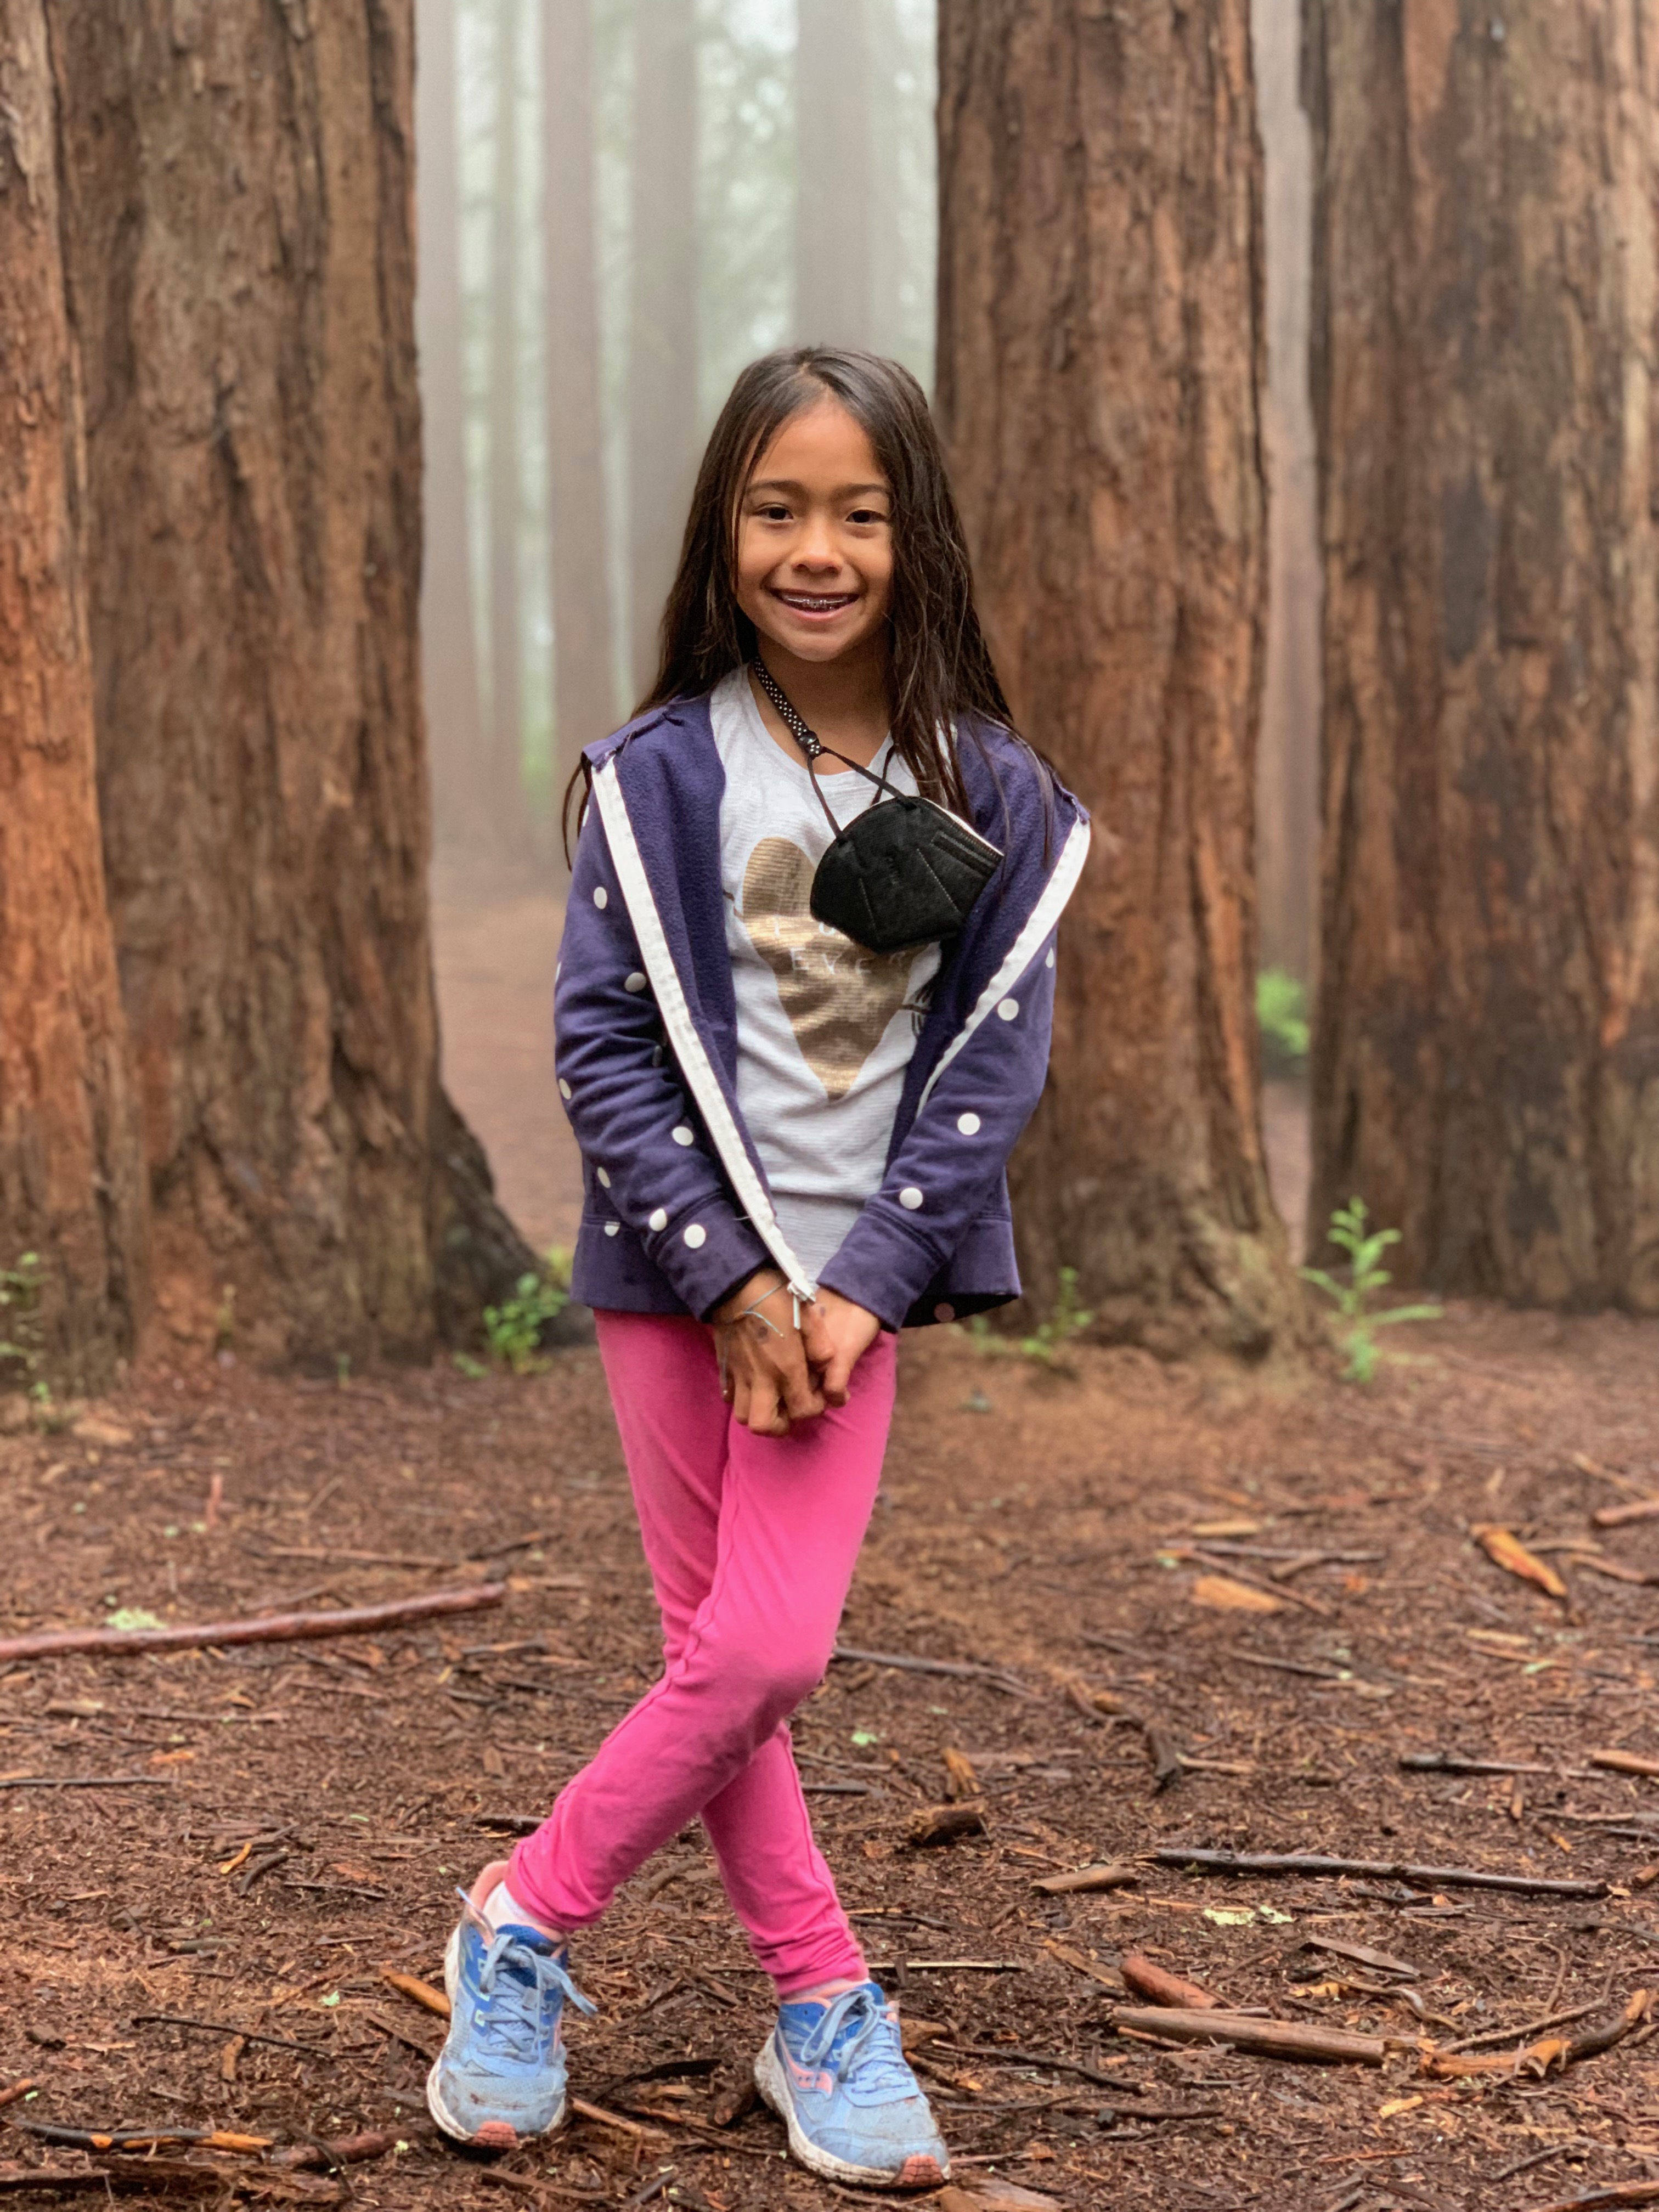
815 603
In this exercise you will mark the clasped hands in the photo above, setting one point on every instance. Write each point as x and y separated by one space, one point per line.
773 1373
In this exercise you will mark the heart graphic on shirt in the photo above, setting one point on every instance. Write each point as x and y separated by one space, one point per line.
838 997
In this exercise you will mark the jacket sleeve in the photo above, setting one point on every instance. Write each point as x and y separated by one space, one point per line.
948 1167
621 1089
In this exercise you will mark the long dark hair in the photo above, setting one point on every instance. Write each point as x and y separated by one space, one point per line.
939 665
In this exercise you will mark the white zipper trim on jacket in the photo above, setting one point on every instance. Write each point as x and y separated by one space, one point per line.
688 1047
1042 920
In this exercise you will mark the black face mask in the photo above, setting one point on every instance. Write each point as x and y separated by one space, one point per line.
901 874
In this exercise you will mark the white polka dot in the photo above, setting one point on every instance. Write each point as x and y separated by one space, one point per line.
968 1124
558 969
684 1136
1008 1008
612 1227
635 982
604 1180
601 896
945 1313
696 1234
1049 962
658 1219
564 1088
910 1198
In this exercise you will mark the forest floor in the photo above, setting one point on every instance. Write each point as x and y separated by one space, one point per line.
270 1827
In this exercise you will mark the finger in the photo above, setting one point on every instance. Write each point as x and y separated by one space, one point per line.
815 1335
837 1378
766 1416
796 1385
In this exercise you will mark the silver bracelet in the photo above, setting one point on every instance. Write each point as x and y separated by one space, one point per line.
754 1312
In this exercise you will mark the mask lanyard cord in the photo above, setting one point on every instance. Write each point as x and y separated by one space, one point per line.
810 743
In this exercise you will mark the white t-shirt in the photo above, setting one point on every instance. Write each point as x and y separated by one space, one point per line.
825 1030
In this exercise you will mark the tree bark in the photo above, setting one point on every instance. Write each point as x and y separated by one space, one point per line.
584 681
448 642
834 230
662 352
71 1184
239 239
1099 383
1486 1056
507 823
1288 864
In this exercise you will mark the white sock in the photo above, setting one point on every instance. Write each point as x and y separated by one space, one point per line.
502 1910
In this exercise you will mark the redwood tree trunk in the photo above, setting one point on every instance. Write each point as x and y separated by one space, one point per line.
1487 1058
71 1184
507 824
241 272
449 646
1099 380
662 317
584 678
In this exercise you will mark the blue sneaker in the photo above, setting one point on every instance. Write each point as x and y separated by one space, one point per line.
835 2076
499 2077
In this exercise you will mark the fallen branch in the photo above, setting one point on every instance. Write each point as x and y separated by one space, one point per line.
968 1670
87 1782
10 2096
1263 2039
1119 1874
1519 2033
1618 2192
1620 1517
1423 1877
1448 1762
223 2027
1146 1980
349 2150
137 2138
1623 1762
422 1993
1537 2059
262 1628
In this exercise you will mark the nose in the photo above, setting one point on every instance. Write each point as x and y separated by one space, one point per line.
816 549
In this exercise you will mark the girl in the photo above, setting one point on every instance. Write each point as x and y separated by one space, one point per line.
793 1148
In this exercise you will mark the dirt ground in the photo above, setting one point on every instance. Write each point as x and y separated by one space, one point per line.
272 1826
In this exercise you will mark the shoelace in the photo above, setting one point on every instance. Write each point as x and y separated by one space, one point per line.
872 2043
517 2000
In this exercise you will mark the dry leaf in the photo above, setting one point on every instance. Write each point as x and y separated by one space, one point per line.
1225 1596
1505 1549
963 1782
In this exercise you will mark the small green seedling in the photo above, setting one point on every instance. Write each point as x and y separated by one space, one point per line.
1050 1338
513 1328
1364 1247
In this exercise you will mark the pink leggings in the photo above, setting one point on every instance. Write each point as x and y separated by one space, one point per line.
751 1543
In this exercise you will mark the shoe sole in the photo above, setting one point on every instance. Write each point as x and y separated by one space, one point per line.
493 2134
773 2083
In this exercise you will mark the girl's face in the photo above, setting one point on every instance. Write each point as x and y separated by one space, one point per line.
815 538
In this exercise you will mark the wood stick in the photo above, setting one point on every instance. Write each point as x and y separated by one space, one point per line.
1620 1517
1538 2058
88 1782
1520 2033
1011 2054
1424 1877
1623 1762
10 2096
223 2027
1619 2192
1265 2038
999 1677
1159 1988
1117 1873
422 1993
349 2150
260 1628
1447 1762
1363 1955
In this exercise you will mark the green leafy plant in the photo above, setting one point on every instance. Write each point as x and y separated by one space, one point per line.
513 1328
1365 1246
1281 1013
20 1315
1048 1339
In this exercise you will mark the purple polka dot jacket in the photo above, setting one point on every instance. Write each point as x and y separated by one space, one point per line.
675 1212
